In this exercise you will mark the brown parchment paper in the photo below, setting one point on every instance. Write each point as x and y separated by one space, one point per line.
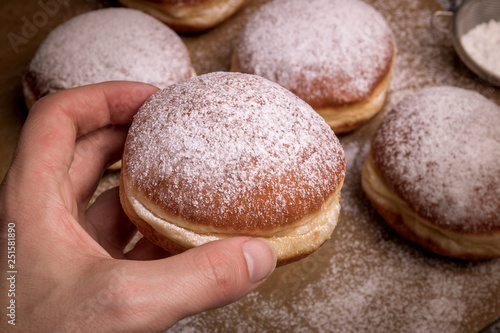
365 278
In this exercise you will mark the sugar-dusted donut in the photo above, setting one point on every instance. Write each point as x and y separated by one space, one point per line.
337 55
103 45
433 172
228 154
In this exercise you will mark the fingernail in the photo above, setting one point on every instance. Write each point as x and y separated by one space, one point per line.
260 257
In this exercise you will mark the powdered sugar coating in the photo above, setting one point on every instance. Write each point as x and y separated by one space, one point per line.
482 43
328 52
109 44
439 149
233 151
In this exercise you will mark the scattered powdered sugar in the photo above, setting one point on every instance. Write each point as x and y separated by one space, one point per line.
482 43
355 153
326 51
212 50
439 149
109 44
233 149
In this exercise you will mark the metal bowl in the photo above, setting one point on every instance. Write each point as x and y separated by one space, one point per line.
464 18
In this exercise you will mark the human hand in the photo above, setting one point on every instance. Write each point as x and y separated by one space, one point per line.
71 273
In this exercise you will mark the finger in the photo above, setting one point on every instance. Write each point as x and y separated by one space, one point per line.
88 166
54 123
107 223
199 279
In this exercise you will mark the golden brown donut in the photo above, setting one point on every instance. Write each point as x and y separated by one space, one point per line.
228 154
337 55
188 15
433 172
104 45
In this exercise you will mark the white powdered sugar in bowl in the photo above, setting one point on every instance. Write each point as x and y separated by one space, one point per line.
482 43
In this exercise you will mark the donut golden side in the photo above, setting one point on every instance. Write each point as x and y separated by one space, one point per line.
410 225
192 16
291 243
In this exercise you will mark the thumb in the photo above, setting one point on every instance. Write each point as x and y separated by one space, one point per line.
206 277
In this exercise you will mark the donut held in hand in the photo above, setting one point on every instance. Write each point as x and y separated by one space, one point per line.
228 154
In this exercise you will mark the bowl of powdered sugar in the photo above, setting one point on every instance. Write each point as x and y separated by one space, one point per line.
476 30
476 36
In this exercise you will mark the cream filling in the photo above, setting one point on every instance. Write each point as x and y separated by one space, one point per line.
198 17
354 114
302 239
486 245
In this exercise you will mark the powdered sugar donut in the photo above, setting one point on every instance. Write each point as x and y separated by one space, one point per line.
433 172
188 15
337 55
227 154
103 45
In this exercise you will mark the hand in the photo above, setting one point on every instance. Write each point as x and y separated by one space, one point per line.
71 273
